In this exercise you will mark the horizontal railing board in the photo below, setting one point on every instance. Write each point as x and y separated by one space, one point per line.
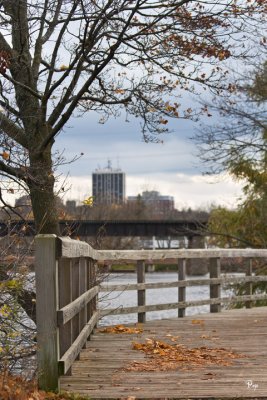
193 282
158 255
70 248
69 311
72 353
171 306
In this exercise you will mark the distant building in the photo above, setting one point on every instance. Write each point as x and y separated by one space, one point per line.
71 206
154 200
108 185
23 201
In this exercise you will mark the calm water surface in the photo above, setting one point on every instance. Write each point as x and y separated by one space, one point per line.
153 296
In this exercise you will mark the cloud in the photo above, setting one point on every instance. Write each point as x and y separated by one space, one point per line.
123 144
172 168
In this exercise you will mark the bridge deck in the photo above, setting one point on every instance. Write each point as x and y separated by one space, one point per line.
100 371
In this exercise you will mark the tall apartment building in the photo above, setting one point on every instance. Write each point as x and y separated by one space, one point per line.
108 185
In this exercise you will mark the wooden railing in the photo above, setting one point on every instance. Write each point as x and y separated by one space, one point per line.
66 300
181 258
67 292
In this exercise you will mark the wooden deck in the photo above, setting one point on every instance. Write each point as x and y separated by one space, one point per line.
100 370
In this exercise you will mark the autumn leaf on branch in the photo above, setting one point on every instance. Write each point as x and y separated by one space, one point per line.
5 155
4 61
89 201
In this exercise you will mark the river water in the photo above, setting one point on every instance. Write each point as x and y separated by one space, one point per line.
153 296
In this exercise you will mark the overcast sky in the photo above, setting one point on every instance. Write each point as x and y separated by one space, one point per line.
172 168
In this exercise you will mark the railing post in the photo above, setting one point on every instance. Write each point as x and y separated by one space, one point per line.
83 288
249 289
141 294
181 289
75 290
215 289
46 311
65 297
92 305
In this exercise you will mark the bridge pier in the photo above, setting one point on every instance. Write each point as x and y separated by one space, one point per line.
197 266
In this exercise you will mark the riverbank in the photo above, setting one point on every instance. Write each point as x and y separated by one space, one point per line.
226 267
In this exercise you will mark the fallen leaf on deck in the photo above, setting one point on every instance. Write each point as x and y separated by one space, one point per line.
198 322
205 337
208 376
121 329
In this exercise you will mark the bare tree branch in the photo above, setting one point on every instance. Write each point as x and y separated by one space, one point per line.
12 130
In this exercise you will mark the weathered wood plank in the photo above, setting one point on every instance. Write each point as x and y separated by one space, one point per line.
72 353
65 297
100 373
182 288
215 289
249 288
83 289
46 269
92 305
134 255
141 293
191 282
75 290
68 312
171 306
75 248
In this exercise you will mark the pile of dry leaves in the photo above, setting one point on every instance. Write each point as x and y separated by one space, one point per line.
17 388
163 356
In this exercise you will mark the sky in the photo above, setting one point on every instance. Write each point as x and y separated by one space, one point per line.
172 168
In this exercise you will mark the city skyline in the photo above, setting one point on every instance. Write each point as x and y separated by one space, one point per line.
171 167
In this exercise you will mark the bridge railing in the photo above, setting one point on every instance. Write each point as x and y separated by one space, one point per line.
181 258
66 304
67 294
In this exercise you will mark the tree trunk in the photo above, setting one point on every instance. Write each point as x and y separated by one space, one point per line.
41 186
44 209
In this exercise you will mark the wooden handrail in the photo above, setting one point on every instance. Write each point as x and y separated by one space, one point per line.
66 296
180 257
67 293
187 283
69 311
180 305
160 255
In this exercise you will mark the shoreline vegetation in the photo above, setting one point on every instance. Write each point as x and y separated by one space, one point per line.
130 268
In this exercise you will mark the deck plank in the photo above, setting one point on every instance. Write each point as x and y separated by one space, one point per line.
99 373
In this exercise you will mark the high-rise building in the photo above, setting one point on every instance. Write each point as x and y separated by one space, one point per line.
108 185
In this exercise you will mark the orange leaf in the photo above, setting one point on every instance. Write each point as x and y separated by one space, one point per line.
5 155
198 321
163 121
120 91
